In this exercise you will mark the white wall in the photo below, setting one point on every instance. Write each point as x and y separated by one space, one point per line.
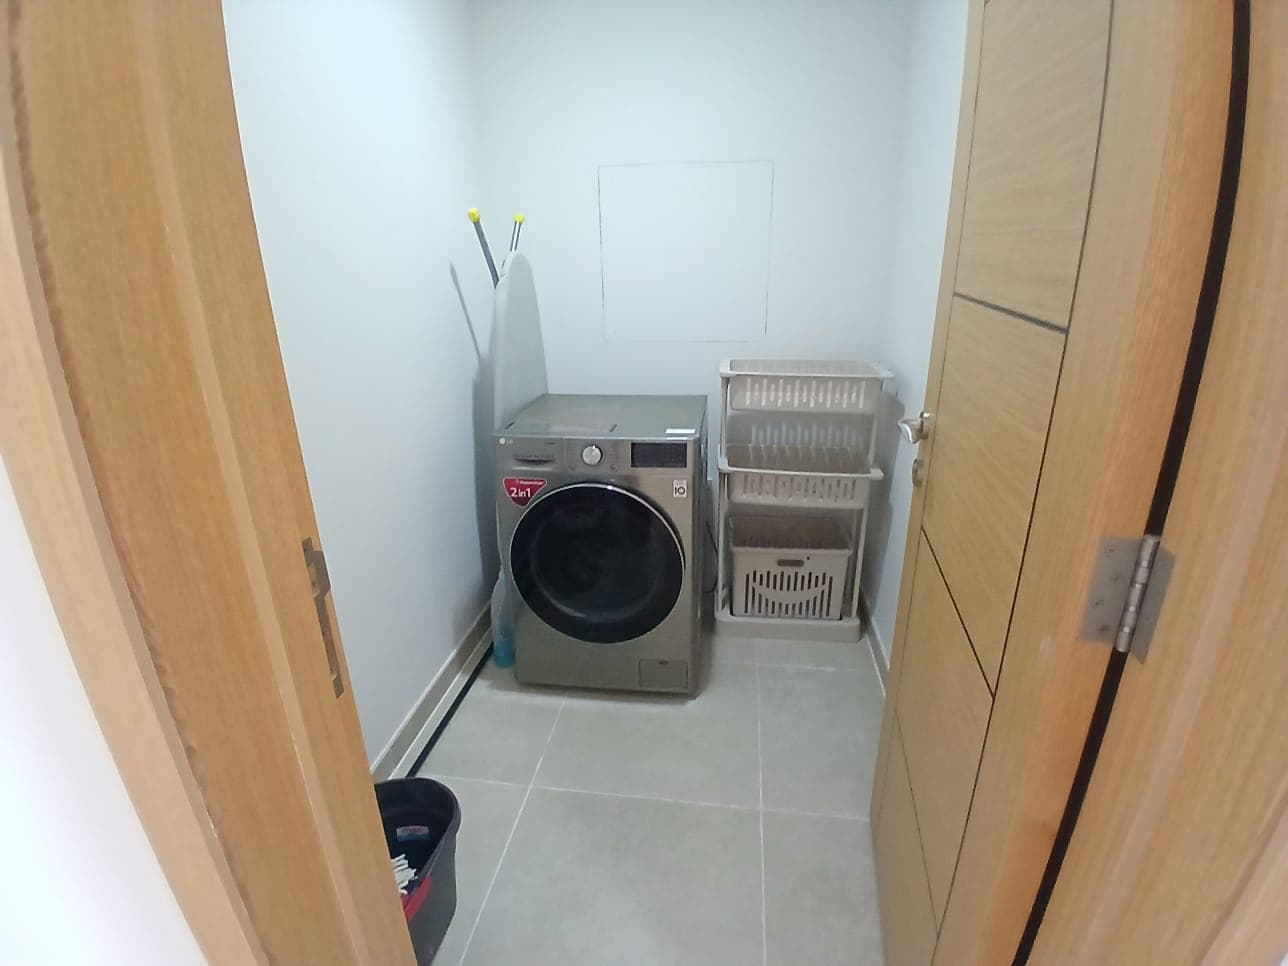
368 129
854 101
934 45
80 881
359 138
812 85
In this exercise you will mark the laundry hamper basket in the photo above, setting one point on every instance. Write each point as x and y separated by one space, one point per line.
788 567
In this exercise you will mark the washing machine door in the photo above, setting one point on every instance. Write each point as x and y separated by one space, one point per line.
597 562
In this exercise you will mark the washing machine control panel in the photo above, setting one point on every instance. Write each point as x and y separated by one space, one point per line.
596 458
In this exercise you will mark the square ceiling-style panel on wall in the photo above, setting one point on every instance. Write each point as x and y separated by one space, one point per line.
684 250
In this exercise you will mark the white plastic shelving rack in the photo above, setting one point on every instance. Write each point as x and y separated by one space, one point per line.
797 443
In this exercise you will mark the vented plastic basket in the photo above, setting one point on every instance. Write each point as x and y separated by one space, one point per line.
817 491
798 460
788 567
803 386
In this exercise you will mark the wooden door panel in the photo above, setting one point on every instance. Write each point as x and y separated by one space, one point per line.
119 328
241 338
939 342
1037 122
995 400
1255 930
1178 855
943 715
158 313
1035 81
907 918
1148 238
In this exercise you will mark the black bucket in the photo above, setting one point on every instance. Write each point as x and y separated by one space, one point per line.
420 818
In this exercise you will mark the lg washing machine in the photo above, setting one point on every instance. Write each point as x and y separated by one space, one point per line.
600 515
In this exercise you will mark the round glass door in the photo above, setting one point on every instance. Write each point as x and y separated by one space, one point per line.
597 562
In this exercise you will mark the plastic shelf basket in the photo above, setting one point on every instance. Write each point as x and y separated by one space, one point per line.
792 567
821 491
803 386
793 462
797 464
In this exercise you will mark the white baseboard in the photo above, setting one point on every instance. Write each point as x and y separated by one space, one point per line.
397 757
875 643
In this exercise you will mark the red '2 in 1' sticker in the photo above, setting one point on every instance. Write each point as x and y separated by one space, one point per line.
521 489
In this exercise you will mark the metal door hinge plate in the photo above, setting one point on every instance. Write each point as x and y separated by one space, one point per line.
1126 593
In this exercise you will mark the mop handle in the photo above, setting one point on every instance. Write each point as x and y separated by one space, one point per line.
487 252
514 232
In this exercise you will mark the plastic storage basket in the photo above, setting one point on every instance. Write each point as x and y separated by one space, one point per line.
803 386
788 567
790 461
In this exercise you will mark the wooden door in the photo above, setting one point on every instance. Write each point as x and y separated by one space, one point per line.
908 920
944 717
1180 854
146 411
1066 305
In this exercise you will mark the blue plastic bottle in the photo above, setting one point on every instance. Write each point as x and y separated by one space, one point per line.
502 626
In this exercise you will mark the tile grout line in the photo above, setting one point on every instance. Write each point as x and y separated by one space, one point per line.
798 666
641 797
784 666
805 813
876 669
430 773
564 789
487 894
469 940
760 780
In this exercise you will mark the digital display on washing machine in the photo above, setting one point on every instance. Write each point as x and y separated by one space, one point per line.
660 455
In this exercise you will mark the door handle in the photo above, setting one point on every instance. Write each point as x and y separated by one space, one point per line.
916 428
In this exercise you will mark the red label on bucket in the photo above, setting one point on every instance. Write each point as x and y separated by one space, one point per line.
521 489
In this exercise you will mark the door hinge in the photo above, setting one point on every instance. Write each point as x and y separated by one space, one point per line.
1127 591
320 584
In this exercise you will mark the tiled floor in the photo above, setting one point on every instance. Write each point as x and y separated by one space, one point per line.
621 829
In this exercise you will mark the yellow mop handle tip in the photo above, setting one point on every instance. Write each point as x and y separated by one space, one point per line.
474 214
519 218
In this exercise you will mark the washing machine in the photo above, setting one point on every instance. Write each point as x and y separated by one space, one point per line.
600 514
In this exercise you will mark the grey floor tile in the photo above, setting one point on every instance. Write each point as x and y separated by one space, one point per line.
819 732
820 892
739 649
493 737
488 811
852 655
726 687
713 661
592 879
499 682
696 758
703 750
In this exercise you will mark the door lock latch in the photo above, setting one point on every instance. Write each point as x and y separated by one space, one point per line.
916 428
320 584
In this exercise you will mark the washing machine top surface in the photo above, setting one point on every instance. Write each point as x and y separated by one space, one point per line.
599 417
